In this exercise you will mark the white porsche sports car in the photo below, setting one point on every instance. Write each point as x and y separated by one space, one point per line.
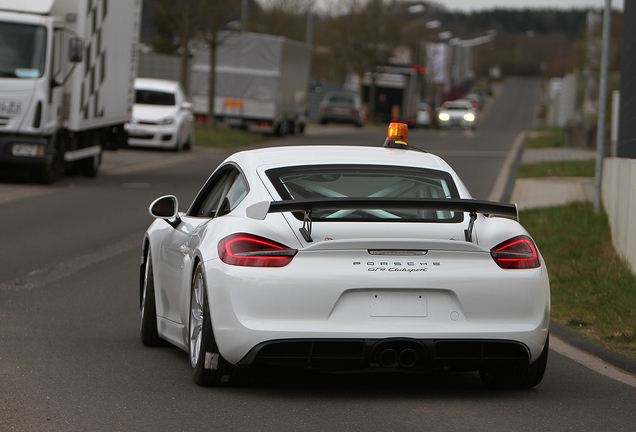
344 258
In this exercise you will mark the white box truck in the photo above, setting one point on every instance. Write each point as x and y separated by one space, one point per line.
67 69
261 82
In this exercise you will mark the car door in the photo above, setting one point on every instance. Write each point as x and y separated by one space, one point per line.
218 197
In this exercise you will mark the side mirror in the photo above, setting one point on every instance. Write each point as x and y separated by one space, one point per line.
166 207
75 50
187 105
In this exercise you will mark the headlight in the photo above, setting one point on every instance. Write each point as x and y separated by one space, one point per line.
166 121
469 117
444 117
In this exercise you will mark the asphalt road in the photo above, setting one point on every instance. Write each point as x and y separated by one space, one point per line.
70 355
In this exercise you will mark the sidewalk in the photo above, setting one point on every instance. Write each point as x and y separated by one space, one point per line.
553 191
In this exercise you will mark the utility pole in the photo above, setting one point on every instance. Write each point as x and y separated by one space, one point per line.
602 104
244 7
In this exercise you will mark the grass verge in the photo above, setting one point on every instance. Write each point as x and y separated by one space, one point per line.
570 168
593 289
547 137
222 136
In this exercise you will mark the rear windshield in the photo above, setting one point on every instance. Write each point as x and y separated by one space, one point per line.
154 97
361 181
343 99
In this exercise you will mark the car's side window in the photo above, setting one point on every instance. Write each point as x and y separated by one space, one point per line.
210 203
235 194
220 195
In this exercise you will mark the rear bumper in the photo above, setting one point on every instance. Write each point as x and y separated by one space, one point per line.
395 353
452 297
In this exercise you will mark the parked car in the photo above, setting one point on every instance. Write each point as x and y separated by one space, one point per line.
341 107
457 113
423 116
477 99
161 116
344 258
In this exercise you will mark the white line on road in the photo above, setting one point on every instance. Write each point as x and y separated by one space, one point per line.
61 270
591 362
498 190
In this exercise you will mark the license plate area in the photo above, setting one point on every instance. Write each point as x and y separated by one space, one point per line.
29 150
137 132
398 304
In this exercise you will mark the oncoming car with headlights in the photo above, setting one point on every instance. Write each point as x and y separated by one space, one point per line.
457 113
344 258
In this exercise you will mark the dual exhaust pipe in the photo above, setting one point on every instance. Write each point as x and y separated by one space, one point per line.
406 358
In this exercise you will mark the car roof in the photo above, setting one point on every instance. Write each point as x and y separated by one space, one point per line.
274 157
156 84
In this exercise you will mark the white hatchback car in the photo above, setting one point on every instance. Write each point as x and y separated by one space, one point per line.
344 258
161 116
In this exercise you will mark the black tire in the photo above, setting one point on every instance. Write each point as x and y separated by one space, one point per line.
148 307
512 376
89 167
47 174
209 368
189 145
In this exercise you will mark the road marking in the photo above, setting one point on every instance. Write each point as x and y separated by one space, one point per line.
14 193
498 190
467 153
591 362
114 164
61 270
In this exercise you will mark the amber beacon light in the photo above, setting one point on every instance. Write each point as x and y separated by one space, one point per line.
397 136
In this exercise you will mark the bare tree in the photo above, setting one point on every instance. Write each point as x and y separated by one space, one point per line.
366 33
177 17
214 16
286 18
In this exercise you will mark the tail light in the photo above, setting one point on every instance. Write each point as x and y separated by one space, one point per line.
354 112
516 253
254 251
324 109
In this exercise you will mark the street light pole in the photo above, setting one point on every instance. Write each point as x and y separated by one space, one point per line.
602 104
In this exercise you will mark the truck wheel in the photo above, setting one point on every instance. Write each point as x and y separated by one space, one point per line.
51 170
90 166
47 174
281 129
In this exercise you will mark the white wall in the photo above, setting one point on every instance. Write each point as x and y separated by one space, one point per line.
619 199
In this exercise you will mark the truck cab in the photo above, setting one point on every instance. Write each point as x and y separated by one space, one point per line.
61 101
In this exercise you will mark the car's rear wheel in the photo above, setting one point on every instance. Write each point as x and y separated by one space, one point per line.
209 368
514 376
148 330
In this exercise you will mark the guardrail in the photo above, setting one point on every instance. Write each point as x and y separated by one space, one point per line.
618 191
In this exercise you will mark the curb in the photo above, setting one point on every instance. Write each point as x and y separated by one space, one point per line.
576 340
505 181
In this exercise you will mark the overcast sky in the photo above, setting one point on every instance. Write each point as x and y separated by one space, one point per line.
473 5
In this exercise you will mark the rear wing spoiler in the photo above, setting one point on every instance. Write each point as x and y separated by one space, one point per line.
260 210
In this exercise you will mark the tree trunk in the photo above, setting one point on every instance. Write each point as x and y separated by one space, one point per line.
184 40
211 121
185 69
